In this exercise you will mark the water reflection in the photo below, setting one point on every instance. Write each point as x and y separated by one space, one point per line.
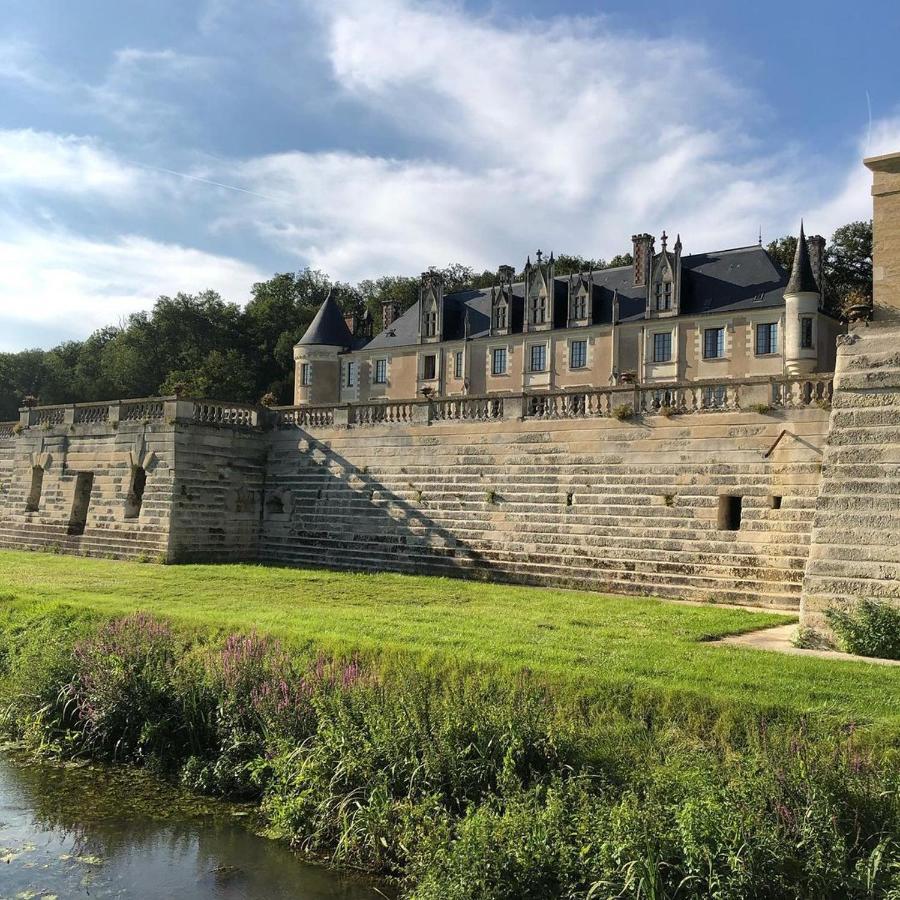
87 831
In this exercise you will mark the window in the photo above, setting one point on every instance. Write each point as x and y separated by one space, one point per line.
715 396
580 311
663 295
431 320
714 343
306 374
730 512
37 486
538 357
429 367
498 361
84 484
806 333
380 371
458 364
351 374
662 347
500 316
538 310
766 339
135 497
577 354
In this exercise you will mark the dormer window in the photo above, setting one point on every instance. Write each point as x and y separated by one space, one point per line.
538 310
580 311
500 317
663 296
431 320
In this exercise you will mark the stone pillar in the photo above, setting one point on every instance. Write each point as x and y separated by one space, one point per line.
886 225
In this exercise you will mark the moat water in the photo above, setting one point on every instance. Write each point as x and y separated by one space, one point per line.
72 831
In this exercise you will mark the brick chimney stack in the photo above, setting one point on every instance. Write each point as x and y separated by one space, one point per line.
643 257
816 244
390 312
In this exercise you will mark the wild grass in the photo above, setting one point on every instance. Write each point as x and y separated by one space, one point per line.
584 643
465 784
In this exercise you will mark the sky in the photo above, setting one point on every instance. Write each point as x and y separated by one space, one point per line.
180 145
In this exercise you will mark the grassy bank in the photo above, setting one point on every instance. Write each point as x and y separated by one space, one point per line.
465 783
585 644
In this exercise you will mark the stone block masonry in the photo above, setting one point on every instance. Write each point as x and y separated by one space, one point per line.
626 507
855 549
712 504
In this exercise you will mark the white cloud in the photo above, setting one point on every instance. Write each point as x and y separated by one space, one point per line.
563 135
65 164
60 279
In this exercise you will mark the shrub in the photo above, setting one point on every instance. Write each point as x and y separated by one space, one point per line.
667 411
120 702
867 628
761 408
623 411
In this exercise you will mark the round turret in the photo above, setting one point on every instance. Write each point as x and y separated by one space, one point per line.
317 364
802 298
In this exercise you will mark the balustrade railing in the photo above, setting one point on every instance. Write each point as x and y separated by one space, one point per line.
381 413
47 415
798 391
305 416
91 414
461 409
666 399
216 412
146 410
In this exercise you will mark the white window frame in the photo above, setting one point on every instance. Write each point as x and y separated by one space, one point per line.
531 348
654 335
305 374
375 367
584 364
491 357
459 364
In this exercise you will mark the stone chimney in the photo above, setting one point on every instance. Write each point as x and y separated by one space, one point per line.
643 257
350 319
816 244
506 274
390 312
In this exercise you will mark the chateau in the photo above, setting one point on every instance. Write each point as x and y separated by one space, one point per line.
668 318
692 425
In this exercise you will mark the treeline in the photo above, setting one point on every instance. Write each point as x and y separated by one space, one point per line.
209 347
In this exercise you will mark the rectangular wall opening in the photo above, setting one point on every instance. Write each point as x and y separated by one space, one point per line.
135 498
730 512
84 484
775 502
33 502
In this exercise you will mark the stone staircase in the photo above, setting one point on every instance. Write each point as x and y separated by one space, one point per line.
855 548
617 507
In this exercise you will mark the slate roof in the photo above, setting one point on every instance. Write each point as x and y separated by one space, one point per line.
802 279
721 282
328 327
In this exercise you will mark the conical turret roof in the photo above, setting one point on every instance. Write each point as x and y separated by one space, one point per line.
802 280
328 327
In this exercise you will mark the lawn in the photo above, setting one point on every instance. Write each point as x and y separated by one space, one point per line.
583 640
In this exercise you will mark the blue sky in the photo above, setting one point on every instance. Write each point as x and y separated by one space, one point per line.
147 148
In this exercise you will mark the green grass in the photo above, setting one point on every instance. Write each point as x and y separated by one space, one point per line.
587 642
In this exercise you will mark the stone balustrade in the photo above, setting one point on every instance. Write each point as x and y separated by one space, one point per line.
216 412
618 402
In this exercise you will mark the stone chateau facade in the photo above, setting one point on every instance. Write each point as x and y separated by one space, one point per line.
667 319
691 426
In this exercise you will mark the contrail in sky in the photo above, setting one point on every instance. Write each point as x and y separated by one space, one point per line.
229 187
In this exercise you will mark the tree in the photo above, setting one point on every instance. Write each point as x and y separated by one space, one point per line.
848 263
